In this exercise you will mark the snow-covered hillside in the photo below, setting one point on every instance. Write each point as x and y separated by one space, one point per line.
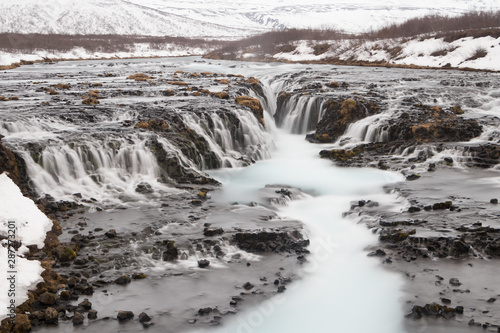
216 18
469 52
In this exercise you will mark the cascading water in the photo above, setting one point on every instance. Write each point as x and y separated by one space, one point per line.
300 114
233 136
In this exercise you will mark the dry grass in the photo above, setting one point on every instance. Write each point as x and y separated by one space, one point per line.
320 48
177 83
62 86
221 95
140 77
254 105
442 52
480 52
90 101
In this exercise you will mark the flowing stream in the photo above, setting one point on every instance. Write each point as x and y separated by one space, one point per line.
340 282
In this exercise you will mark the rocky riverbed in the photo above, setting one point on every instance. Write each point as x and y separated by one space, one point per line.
116 153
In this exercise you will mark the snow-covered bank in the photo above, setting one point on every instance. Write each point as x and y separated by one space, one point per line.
469 52
138 50
20 220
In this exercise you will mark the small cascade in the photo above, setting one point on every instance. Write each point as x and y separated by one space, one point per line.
369 129
107 169
234 136
300 113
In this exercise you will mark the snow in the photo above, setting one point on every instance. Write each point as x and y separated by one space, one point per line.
141 50
418 51
31 226
217 18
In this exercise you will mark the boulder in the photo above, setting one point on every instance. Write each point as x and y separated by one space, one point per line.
51 316
77 319
203 263
124 315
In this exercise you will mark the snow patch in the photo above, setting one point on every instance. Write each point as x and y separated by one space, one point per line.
30 226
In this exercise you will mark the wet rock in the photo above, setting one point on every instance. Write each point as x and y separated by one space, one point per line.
170 252
144 188
442 205
459 309
144 317
208 232
337 116
455 282
203 263
80 261
77 319
491 300
111 233
377 253
248 286
86 304
51 316
446 300
138 276
281 289
494 201
205 311
124 315
271 242
394 236
122 280
413 176
64 253
414 209
48 298
92 314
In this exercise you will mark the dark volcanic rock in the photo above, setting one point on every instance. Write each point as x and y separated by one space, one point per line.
170 252
144 317
111 233
77 318
92 314
248 286
270 242
212 231
205 311
124 315
338 114
203 263
124 279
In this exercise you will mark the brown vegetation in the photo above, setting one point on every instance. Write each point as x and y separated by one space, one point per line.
28 43
480 52
438 23
140 77
254 105
90 101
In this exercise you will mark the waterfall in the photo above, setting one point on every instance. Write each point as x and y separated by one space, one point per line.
107 170
234 136
369 129
300 113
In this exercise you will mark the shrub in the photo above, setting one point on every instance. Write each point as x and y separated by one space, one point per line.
480 52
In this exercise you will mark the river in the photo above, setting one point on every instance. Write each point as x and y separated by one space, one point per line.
92 153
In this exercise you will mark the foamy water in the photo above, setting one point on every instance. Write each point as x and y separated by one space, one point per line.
340 284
